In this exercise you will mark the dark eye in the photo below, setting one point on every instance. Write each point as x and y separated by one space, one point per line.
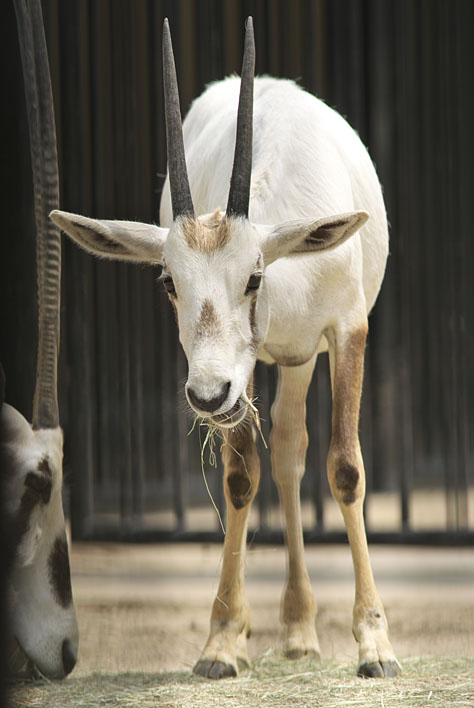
254 282
168 284
39 484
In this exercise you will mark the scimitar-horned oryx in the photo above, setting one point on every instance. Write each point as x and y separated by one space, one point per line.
42 627
276 278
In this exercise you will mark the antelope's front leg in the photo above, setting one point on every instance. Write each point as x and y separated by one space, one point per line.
347 482
289 441
230 618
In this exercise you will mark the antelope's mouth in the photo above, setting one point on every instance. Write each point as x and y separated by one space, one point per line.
232 417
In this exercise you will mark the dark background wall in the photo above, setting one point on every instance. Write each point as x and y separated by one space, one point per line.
401 71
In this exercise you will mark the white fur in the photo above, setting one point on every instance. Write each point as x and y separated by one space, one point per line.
38 622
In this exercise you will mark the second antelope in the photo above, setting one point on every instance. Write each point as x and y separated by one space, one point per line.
42 626
290 269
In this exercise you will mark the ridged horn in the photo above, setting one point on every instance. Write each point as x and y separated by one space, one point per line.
41 124
181 200
239 192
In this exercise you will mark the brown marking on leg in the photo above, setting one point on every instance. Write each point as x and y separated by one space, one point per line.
240 458
347 481
230 618
345 466
240 488
347 478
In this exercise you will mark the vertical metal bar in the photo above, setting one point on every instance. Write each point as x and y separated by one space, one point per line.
464 58
79 438
124 429
408 229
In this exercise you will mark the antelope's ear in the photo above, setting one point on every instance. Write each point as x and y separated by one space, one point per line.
308 235
119 240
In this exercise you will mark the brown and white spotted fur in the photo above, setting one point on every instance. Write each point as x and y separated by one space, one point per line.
291 269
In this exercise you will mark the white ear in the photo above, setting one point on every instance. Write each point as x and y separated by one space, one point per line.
308 235
120 240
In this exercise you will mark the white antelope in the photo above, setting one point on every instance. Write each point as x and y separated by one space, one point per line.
42 620
275 278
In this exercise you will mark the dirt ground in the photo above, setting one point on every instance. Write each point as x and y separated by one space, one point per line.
146 608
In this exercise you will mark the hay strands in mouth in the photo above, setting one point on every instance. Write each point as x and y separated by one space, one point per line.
209 440
256 416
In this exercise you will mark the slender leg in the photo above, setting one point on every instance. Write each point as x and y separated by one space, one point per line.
289 441
230 617
347 482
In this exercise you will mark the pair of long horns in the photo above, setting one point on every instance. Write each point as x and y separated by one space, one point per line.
40 111
239 192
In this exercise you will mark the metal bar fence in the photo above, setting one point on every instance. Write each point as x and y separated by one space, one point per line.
400 70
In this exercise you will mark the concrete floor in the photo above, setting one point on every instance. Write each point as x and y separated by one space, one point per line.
146 608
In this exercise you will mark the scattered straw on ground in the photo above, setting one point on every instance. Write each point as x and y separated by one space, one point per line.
273 682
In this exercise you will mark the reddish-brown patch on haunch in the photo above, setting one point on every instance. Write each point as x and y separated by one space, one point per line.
206 237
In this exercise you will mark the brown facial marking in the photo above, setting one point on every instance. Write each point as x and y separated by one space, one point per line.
39 486
43 466
347 477
206 237
208 323
253 322
59 572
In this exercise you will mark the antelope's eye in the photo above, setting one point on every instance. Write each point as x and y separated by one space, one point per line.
254 282
168 284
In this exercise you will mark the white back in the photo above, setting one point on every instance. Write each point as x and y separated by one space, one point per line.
307 162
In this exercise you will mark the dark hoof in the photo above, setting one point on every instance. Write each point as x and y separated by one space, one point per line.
379 669
243 662
214 669
300 653
391 668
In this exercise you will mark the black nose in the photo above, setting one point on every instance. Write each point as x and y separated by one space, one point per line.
69 658
208 404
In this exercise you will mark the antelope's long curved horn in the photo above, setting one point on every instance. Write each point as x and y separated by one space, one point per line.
239 192
40 110
179 184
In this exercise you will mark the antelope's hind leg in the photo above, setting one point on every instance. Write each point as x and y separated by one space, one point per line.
289 441
347 482
226 646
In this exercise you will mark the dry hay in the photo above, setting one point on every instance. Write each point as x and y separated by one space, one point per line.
273 682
